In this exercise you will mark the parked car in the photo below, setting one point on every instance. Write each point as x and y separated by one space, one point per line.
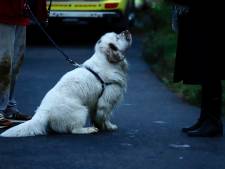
116 13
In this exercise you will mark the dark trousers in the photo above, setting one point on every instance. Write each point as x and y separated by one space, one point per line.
211 106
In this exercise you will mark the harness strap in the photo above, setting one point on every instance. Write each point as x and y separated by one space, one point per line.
104 84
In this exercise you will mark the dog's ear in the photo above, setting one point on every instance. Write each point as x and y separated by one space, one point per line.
113 54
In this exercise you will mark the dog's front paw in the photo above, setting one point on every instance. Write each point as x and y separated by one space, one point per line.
93 130
110 127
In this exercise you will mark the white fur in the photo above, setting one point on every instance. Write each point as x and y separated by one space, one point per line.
67 106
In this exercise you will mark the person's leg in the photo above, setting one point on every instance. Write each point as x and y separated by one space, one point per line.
12 111
6 53
202 116
212 126
19 49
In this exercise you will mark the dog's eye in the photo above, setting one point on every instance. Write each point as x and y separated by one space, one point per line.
113 47
99 41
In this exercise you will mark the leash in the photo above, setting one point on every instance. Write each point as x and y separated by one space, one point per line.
67 58
75 64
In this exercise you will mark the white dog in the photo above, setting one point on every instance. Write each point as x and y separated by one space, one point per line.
91 90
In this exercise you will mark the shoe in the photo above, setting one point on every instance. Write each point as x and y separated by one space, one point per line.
4 123
197 125
16 116
208 129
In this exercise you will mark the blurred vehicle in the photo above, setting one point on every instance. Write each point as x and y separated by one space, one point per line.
116 13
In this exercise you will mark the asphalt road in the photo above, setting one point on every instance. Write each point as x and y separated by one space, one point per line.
149 120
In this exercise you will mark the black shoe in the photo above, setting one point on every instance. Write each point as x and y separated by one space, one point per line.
4 123
208 129
197 125
16 116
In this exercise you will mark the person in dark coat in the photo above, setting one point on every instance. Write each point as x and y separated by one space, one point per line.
200 27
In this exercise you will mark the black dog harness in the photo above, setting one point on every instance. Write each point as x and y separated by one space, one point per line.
104 84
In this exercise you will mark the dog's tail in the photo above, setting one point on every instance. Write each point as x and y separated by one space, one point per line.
32 127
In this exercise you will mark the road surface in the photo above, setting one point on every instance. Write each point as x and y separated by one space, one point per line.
149 121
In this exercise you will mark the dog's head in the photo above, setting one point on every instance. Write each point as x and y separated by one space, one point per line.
114 45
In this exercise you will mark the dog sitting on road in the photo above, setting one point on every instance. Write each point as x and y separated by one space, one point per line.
91 90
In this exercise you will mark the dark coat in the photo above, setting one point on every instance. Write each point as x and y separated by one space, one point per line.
14 11
11 12
200 44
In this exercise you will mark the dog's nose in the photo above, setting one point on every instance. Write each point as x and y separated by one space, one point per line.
127 35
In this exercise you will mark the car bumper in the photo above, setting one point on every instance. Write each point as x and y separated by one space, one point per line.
77 14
